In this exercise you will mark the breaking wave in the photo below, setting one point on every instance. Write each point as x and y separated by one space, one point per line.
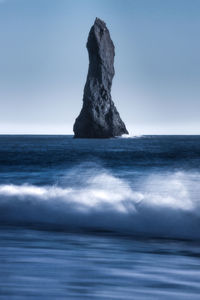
162 205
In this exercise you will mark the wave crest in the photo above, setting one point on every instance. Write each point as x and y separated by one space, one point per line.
162 206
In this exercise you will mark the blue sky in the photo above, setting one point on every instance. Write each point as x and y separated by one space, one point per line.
44 63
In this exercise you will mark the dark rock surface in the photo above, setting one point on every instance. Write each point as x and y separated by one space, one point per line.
99 117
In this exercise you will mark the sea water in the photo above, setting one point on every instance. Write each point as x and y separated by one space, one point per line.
99 219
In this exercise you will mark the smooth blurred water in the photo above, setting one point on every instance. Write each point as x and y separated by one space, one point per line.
99 219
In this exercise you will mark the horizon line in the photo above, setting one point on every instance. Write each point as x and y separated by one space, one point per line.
124 136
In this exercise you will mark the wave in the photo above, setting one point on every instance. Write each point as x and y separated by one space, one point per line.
164 205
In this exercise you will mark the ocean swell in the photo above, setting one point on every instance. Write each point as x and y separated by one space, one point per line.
163 205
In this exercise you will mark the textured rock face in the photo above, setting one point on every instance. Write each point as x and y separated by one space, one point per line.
99 117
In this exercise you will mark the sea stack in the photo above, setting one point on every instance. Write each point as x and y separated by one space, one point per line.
99 117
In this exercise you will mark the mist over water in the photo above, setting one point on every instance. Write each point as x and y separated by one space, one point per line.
125 209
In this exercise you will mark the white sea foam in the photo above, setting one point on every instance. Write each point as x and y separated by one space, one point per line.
163 205
131 136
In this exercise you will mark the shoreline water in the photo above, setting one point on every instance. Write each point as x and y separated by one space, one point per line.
123 212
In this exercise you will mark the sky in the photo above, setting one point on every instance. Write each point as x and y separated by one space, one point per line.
44 64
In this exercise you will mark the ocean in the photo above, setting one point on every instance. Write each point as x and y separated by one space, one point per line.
99 219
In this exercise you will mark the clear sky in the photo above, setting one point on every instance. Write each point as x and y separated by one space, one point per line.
44 63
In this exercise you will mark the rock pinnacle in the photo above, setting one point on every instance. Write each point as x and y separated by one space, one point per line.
99 117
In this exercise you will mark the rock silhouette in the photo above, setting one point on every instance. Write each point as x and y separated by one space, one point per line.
99 117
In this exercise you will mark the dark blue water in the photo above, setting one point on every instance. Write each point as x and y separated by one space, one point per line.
99 219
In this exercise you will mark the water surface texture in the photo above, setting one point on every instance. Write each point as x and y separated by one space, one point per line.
99 219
